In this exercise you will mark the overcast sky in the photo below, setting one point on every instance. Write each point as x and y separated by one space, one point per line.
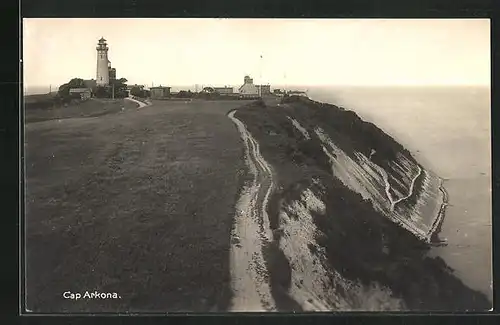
294 51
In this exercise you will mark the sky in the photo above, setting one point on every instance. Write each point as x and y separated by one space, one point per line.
218 52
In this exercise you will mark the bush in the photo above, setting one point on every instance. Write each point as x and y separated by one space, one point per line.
102 92
185 94
139 92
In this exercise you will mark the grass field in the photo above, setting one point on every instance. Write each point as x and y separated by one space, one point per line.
90 108
139 203
39 97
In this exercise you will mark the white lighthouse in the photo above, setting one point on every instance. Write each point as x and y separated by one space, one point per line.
102 78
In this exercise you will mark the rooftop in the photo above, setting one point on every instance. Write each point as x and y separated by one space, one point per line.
79 90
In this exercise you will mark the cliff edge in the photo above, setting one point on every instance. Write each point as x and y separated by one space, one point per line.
348 216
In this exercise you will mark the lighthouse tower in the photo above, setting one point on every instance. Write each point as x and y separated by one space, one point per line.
102 78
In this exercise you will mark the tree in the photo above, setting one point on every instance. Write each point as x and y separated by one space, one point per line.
73 83
120 87
102 92
185 94
137 91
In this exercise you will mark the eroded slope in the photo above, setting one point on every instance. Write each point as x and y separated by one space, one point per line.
352 215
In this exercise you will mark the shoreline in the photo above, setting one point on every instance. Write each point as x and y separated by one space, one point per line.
434 231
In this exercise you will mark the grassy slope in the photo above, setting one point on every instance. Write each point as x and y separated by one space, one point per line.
139 202
356 237
90 108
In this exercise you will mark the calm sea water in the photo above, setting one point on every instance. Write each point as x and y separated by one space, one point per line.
448 131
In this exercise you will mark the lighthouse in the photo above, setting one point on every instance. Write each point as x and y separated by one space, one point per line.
103 64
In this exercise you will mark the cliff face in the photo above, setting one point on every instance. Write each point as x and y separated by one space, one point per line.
352 214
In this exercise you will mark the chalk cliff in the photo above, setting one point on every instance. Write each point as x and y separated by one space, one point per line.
351 212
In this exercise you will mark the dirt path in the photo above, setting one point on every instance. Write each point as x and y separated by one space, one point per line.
392 201
138 102
410 192
436 226
251 230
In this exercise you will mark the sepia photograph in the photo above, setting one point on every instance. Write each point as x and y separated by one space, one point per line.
256 165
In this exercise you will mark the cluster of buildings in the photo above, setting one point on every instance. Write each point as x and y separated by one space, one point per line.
105 74
247 90
251 90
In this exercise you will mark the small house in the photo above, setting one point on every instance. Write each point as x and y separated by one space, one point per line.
223 90
297 93
264 89
83 93
160 92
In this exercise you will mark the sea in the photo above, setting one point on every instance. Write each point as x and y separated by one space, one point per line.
448 130
38 90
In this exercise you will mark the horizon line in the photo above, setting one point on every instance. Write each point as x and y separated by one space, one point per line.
55 86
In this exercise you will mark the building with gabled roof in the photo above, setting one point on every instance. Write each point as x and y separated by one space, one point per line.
248 89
